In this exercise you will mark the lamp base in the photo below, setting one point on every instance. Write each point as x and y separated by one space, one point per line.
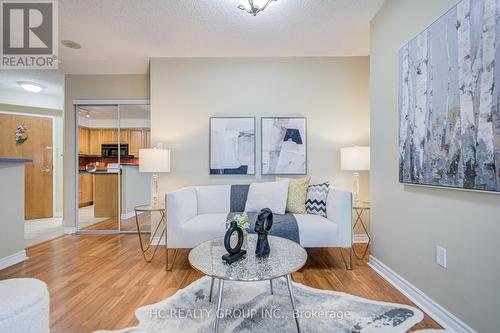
355 194
154 190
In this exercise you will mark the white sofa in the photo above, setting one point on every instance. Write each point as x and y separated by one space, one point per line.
198 213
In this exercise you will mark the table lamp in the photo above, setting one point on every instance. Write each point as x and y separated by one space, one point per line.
355 159
154 160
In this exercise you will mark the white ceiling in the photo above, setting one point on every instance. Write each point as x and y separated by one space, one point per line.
119 36
111 112
12 93
52 80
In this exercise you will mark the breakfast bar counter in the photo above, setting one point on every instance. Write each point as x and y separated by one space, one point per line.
12 208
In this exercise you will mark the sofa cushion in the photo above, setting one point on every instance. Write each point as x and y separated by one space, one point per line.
272 195
315 230
297 190
181 206
204 227
213 198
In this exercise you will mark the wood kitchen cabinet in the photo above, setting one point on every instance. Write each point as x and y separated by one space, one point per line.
124 135
106 194
135 141
91 139
85 189
95 142
139 138
83 140
147 138
109 136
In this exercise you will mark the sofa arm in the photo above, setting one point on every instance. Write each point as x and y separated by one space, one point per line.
181 205
339 210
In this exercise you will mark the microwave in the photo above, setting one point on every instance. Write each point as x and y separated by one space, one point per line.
115 151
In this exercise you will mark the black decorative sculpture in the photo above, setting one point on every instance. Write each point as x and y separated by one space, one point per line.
235 253
262 226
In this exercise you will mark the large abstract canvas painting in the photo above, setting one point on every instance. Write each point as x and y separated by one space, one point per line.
284 148
232 146
449 101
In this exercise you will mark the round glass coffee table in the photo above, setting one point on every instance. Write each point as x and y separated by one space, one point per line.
285 258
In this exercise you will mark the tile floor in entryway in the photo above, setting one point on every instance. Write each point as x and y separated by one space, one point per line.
41 230
86 217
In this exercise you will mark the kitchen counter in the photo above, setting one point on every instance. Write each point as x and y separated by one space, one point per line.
105 171
15 160
134 190
98 172
12 208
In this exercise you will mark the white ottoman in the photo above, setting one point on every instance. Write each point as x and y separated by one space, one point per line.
24 306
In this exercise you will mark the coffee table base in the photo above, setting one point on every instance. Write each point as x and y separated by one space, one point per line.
220 290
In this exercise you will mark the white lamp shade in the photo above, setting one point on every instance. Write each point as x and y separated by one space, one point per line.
154 160
355 158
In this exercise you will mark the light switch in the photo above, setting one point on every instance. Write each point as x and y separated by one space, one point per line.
441 256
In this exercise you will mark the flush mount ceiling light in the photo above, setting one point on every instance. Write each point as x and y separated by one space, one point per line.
31 86
254 6
70 44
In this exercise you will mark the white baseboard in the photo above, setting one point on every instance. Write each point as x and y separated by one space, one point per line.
69 230
13 259
155 240
424 302
58 214
360 238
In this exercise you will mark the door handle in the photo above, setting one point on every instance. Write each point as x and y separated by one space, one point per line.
46 169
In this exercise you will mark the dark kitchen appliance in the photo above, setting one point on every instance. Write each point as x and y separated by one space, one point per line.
112 151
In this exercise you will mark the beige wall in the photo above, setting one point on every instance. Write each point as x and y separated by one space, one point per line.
12 208
91 87
408 222
39 100
331 92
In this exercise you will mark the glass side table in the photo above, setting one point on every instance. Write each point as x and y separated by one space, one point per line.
359 208
162 223
285 258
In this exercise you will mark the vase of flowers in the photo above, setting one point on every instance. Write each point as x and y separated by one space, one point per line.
243 223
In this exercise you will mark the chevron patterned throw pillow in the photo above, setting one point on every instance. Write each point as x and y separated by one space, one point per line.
316 199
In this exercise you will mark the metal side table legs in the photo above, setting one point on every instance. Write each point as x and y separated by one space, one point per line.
359 209
159 236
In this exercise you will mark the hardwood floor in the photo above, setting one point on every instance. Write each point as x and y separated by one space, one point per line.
97 281
126 224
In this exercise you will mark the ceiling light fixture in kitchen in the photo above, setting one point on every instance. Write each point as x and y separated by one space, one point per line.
254 6
31 86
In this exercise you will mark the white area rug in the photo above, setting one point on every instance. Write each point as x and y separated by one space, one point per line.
249 307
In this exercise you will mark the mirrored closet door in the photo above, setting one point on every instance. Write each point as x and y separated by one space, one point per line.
109 182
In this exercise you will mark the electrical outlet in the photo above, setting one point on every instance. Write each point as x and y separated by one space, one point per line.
441 256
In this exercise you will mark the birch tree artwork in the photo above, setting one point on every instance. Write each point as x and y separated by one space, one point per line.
449 104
